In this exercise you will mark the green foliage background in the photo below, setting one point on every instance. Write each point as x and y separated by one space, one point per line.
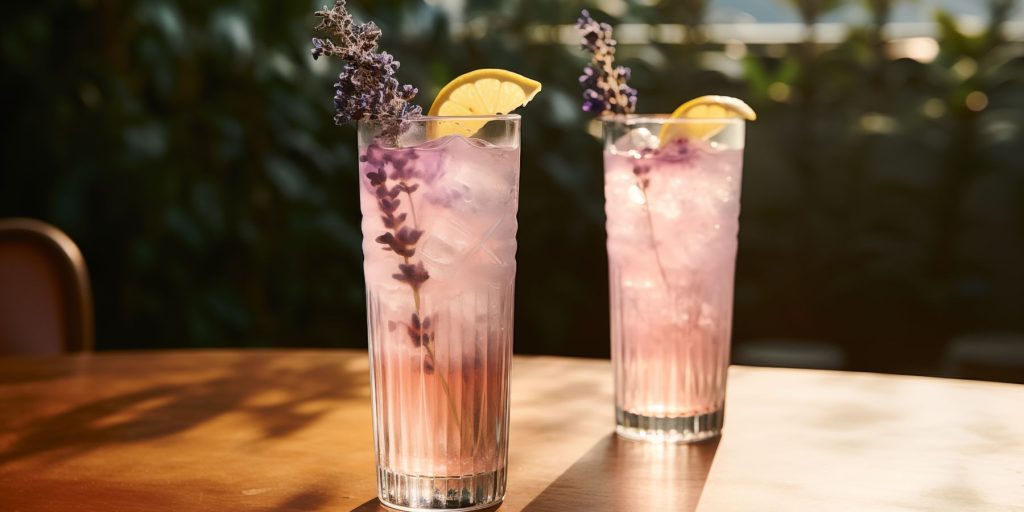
188 148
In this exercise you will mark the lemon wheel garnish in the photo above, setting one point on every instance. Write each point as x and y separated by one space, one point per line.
705 107
479 93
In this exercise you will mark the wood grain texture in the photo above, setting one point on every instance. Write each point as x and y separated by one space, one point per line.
290 431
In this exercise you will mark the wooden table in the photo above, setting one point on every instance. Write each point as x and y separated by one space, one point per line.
290 430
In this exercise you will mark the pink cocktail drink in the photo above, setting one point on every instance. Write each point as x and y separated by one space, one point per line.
673 217
439 226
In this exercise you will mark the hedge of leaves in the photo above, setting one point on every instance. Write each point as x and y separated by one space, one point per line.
188 147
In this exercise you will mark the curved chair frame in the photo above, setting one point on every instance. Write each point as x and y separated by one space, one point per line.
73 274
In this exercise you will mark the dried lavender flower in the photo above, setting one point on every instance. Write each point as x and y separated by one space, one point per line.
366 87
421 333
412 274
605 88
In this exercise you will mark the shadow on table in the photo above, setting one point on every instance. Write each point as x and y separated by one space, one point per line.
312 499
22 371
276 397
618 474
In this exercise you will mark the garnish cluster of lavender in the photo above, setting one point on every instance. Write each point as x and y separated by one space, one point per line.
366 87
604 84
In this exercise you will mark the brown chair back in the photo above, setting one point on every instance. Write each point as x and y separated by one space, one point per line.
45 298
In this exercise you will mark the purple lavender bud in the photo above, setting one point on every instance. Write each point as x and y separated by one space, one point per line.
377 178
604 85
594 101
584 19
413 275
588 80
387 240
408 92
408 236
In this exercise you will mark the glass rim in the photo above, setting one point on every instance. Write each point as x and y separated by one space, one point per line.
637 119
477 117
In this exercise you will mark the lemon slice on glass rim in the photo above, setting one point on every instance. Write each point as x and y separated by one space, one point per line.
705 107
482 92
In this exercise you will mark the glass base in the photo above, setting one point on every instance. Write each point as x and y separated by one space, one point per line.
668 429
414 493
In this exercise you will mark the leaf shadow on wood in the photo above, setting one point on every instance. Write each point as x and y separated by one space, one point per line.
279 398
619 474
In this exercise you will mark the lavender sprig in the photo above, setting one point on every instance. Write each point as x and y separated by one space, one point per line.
604 84
367 90
401 240
366 87
605 91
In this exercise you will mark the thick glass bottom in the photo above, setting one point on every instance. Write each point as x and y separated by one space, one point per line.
416 493
668 429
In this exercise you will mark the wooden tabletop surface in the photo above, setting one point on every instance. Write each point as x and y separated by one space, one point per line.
290 431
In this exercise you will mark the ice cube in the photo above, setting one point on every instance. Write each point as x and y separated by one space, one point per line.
479 187
642 138
501 252
453 240
637 140
447 243
439 143
500 247
471 200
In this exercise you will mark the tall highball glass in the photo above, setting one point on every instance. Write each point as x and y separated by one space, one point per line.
439 242
672 197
